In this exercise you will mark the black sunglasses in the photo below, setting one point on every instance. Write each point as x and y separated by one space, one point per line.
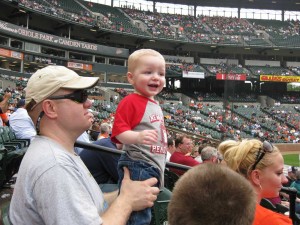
266 147
79 96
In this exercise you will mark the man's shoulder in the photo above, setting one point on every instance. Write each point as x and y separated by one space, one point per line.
19 113
178 157
44 149
106 142
45 156
175 156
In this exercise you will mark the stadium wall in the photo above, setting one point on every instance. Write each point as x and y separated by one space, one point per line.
289 148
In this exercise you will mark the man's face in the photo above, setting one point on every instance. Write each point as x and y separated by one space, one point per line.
292 175
186 146
73 115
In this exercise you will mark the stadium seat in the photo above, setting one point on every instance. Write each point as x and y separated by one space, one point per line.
10 159
281 208
276 208
160 208
268 204
13 138
170 179
4 214
7 142
2 172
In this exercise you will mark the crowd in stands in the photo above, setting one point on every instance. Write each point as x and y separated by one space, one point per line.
185 150
224 68
168 95
203 29
156 24
201 118
296 70
284 29
270 70
121 91
55 8
229 26
258 122
276 124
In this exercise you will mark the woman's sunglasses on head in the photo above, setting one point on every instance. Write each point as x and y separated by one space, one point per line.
266 147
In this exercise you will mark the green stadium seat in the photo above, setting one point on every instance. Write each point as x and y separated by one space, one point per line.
4 214
6 140
170 179
13 138
160 208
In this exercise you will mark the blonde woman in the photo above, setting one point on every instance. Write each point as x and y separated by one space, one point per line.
261 164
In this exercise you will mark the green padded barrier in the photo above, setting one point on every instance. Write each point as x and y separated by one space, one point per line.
4 214
160 208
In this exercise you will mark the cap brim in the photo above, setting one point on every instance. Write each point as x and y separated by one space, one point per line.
81 83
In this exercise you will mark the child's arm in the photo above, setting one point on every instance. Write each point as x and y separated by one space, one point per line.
146 137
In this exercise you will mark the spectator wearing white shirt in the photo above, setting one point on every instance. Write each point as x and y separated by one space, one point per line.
21 123
84 137
171 148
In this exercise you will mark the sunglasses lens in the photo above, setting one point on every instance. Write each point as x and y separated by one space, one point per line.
79 96
84 96
267 146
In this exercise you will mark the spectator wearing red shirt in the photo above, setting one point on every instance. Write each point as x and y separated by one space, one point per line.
184 146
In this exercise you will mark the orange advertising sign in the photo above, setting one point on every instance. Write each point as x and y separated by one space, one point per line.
272 78
11 54
82 66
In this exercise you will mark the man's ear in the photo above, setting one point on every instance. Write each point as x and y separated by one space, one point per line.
49 108
130 77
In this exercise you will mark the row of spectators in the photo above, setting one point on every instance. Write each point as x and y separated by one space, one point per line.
276 124
212 69
283 29
55 9
205 29
157 25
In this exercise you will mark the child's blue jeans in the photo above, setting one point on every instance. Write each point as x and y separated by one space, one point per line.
139 171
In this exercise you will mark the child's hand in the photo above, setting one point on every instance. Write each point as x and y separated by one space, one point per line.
147 137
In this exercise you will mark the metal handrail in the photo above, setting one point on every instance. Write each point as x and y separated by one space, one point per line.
94 147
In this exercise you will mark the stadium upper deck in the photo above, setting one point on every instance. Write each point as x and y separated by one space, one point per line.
68 23
284 5
141 29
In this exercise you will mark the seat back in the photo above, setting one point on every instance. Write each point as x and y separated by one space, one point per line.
268 204
12 136
170 179
4 214
160 208
4 134
10 133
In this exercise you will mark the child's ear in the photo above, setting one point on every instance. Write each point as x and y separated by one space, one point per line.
130 77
